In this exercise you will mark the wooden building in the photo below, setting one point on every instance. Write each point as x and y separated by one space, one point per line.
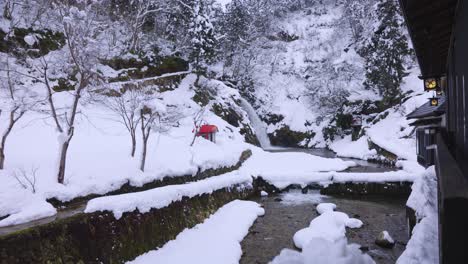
439 32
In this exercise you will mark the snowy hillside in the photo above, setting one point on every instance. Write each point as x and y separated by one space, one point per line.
98 95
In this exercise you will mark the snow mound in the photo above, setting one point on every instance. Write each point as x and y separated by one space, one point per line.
326 207
324 241
217 240
164 196
322 251
330 225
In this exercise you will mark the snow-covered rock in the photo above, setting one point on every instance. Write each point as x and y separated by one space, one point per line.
385 240
324 241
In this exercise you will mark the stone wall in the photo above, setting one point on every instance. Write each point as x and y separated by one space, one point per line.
100 238
169 180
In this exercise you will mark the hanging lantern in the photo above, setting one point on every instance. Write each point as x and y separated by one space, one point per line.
434 101
431 84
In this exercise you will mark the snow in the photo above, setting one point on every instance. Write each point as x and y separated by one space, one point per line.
330 225
326 207
295 197
21 205
358 149
216 240
324 241
30 40
99 160
387 237
290 165
161 197
263 194
423 247
322 251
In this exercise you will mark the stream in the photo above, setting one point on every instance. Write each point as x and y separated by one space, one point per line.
287 213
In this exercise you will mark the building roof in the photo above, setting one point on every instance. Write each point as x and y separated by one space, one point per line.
426 110
430 24
208 129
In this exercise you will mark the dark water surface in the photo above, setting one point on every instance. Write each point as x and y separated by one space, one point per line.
287 213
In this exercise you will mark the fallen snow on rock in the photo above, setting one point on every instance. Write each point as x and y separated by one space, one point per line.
358 149
322 251
423 247
217 240
324 241
326 207
161 197
330 225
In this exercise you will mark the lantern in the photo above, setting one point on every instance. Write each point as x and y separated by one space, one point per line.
431 84
434 101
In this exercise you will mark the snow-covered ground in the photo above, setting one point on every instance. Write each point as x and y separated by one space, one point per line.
217 240
393 133
324 241
99 155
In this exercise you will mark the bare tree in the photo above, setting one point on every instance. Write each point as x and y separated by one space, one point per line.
26 179
148 117
198 119
80 29
126 104
143 9
15 100
158 118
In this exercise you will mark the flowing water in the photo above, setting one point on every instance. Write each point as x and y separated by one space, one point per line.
287 213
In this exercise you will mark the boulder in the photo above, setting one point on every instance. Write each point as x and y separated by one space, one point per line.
385 240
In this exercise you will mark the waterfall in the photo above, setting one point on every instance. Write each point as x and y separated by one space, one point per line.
257 124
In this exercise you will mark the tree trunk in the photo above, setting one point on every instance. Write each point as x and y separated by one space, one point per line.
11 124
2 158
63 161
133 145
143 154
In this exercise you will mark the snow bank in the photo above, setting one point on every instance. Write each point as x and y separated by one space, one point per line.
324 241
390 176
290 164
164 196
358 149
217 240
21 205
423 246
282 181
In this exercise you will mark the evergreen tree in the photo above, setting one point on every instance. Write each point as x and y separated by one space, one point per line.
235 28
203 37
386 52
